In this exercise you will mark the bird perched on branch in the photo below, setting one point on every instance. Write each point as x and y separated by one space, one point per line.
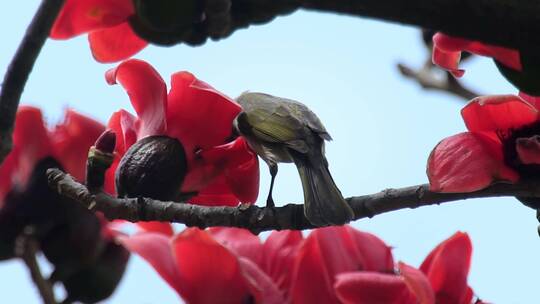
284 130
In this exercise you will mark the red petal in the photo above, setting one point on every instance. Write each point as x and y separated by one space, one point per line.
241 167
534 100
128 131
123 125
156 249
200 118
164 228
110 186
147 92
72 139
498 112
7 171
447 51
368 287
280 250
373 253
232 154
467 162
244 178
240 241
447 60
115 43
198 115
31 142
311 282
260 284
216 194
338 250
418 284
116 127
447 268
209 273
81 16
333 250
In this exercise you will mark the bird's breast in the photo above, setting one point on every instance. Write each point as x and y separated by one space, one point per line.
271 152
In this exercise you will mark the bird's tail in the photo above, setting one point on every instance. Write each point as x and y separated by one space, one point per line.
324 204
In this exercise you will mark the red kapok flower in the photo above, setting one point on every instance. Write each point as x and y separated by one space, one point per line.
501 145
333 265
106 22
200 118
273 256
410 287
330 251
447 268
67 143
202 270
25 196
447 53
442 278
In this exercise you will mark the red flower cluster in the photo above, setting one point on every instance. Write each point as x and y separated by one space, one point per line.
67 143
447 53
221 171
502 144
331 265
106 22
78 244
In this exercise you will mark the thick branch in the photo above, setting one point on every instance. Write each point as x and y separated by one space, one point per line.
513 24
20 68
290 216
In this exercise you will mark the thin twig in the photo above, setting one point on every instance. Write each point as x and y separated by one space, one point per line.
290 216
27 250
20 67
429 81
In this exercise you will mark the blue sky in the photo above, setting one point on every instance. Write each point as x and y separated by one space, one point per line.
383 128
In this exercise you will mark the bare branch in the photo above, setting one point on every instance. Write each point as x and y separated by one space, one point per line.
27 249
290 216
20 67
428 81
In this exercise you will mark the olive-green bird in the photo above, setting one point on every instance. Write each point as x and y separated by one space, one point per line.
284 130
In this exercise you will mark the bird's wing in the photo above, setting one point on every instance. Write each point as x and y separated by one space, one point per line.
273 127
281 120
310 120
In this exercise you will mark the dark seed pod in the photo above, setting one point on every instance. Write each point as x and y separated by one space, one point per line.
154 167
34 205
98 281
74 242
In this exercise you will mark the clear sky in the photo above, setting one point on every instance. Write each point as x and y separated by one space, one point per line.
383 128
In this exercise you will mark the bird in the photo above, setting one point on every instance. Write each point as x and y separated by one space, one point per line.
282 130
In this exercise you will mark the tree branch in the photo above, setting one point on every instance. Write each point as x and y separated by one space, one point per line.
514 24
20 67
290 216
426 78
27 250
